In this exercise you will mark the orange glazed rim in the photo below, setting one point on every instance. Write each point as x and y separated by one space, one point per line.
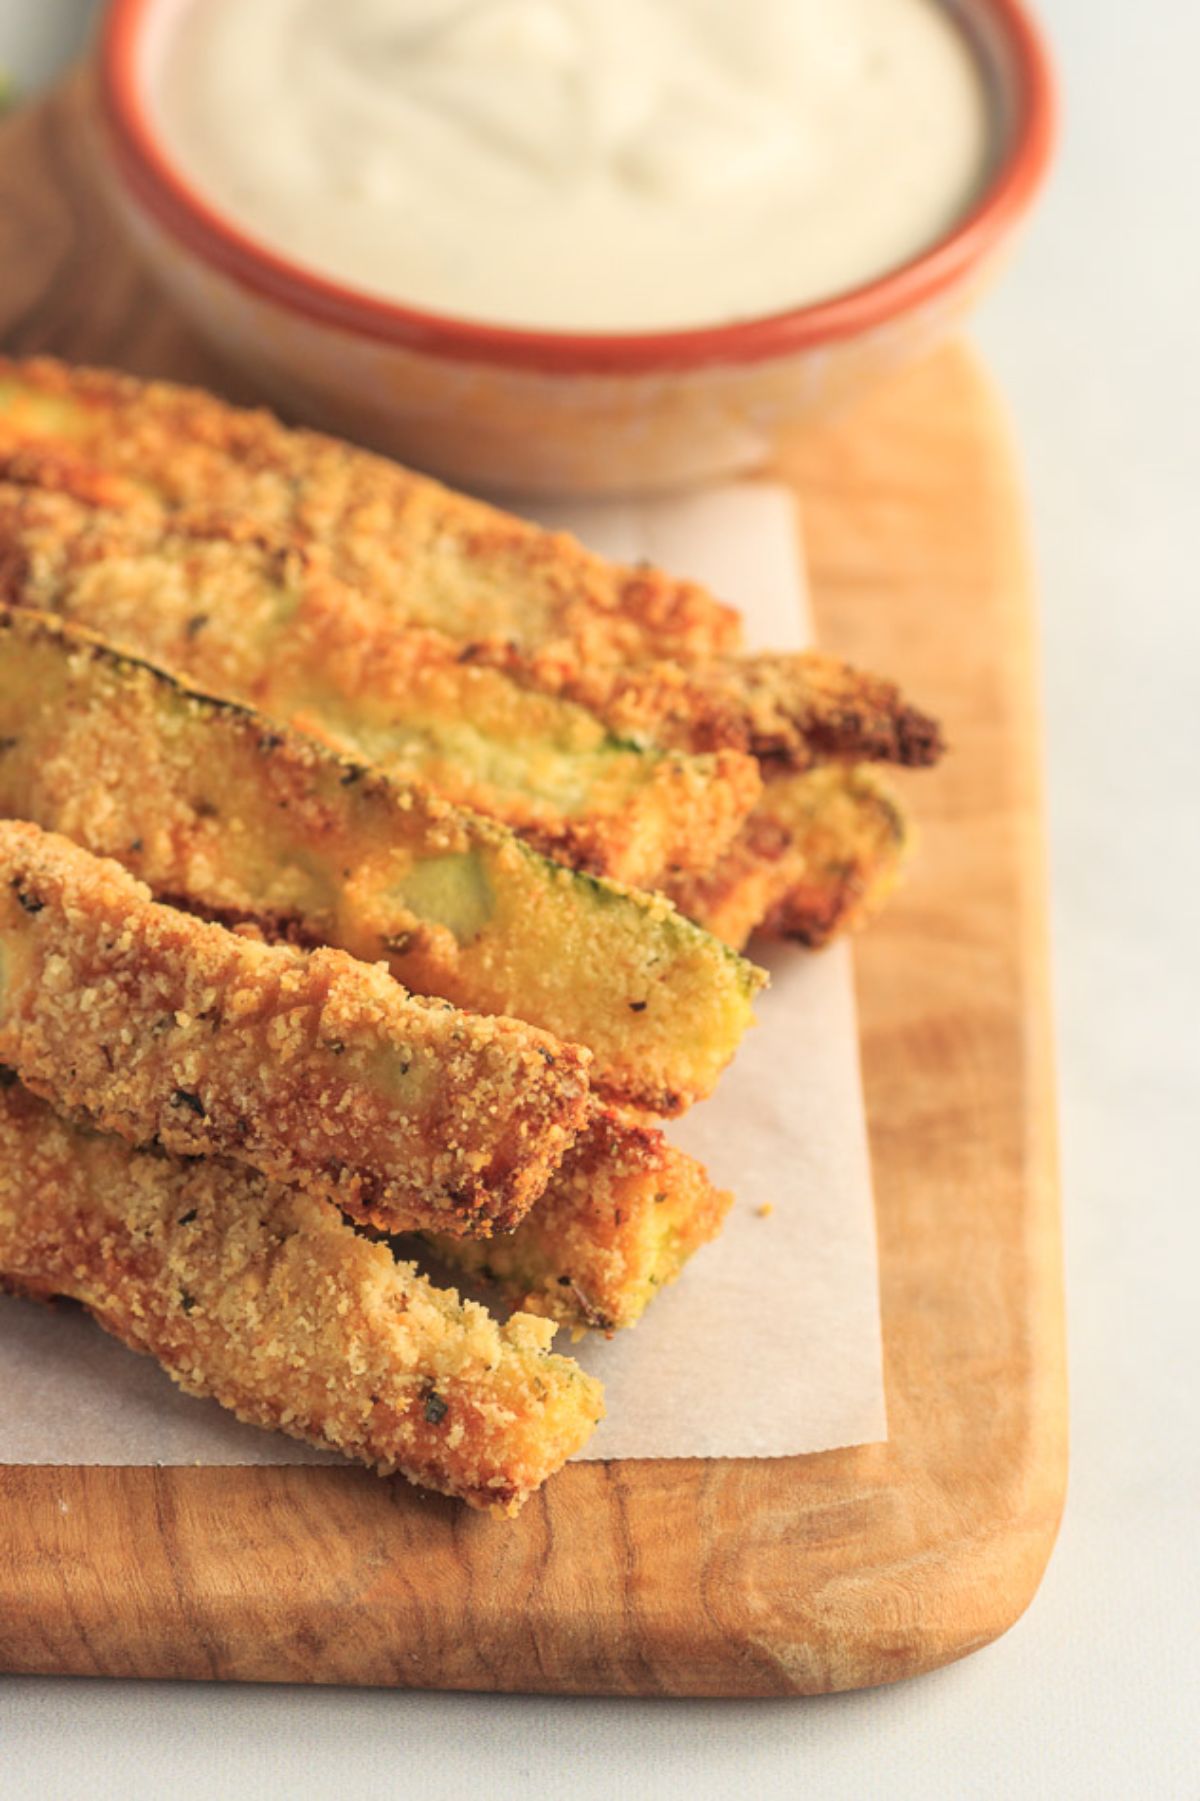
184 213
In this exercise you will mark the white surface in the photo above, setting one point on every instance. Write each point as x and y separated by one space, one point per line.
1089 1698
797 1291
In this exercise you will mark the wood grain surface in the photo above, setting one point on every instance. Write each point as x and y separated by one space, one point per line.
783 1577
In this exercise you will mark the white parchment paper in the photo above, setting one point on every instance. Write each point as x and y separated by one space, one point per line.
770 1343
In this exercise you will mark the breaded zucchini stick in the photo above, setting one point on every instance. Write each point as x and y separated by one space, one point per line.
854 837
432 556
561 619
308 1066
270 626
234 819
818 857
617 1223
535 601
265 1299
790 710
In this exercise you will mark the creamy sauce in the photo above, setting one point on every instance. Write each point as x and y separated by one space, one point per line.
599 165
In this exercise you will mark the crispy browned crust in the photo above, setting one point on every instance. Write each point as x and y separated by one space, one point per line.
559 618
789 710
261 622
309 1067
428 554
735 897
238 820
617 1223
265 1299
818 858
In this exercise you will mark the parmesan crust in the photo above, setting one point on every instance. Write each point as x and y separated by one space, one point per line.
235 819
432 556
263 622
311 1068
616 1224
818 857
267 1300
791 710
558 617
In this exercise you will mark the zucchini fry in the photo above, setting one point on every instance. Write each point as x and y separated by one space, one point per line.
235 820
307 1066
734 898
790 710
854 838
269 626
265 1299
618 1221
430 556
818 857
560 619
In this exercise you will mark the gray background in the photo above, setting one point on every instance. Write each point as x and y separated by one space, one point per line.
1093 341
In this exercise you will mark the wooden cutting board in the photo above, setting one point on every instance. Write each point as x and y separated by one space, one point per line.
793 1576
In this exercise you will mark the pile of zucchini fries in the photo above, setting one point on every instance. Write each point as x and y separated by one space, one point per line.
377 864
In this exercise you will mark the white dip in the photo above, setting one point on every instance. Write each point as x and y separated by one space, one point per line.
604 165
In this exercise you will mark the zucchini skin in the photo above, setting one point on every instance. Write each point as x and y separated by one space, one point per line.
262 621
656 658
235 818
310 1067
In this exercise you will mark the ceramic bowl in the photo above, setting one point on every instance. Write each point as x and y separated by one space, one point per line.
556 413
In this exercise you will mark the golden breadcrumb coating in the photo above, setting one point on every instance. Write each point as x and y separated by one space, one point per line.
618 1221
270 626
432 556
733 899
265 1299
790 710
235 819
308 1066
818 857
563 620
559 616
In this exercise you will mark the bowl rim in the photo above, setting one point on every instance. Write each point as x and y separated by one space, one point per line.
200 227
